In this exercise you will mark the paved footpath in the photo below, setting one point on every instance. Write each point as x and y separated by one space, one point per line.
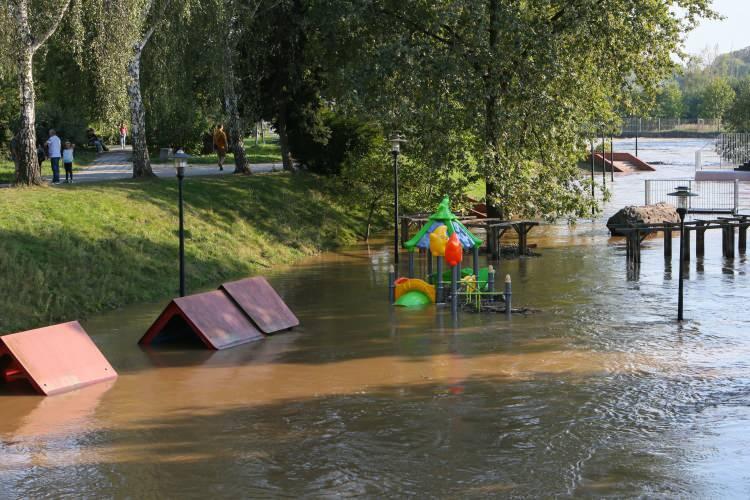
115 164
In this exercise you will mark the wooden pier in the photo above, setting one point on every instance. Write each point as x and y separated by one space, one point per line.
729 226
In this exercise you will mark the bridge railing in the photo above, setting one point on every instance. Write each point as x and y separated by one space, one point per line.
713 196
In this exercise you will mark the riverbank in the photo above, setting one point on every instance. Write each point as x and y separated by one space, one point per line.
68 253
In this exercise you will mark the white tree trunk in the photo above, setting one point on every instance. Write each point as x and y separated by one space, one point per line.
27 163
28 171
231 102
141 160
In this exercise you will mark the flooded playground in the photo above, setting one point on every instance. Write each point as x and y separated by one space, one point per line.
599 392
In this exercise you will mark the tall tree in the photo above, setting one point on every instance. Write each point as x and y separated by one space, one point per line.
148 22
30 31
234 18
716 98
521 77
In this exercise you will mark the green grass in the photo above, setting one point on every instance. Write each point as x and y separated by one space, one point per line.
270 152
68 253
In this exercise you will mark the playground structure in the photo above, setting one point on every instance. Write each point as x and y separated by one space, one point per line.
445 239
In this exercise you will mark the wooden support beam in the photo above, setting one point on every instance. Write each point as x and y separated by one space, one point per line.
667 240
742 243
686 245
728 240
700 239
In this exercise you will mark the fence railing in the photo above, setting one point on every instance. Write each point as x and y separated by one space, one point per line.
713 196
734 148
634 125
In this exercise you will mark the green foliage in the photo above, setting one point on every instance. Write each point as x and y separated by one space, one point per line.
669 101
738 115
716 98
339 138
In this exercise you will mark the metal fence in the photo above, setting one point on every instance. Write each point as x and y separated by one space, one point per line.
734 148
713 196
634 125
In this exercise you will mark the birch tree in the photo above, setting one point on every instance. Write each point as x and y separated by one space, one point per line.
26 28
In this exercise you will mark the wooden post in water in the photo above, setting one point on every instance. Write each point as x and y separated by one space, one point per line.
686 246
667 240
700 239
727 240
742 243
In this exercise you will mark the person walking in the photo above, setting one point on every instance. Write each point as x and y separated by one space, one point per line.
67 156
53 150
220 144
123 134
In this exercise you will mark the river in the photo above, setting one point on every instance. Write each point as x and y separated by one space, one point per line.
599 392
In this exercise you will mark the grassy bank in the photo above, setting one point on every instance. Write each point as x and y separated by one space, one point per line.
67 253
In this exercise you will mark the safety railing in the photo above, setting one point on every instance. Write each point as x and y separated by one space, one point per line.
713 196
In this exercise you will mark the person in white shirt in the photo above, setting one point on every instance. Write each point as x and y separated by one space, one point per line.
67 156
53 151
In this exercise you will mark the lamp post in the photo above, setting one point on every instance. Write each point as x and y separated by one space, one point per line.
682 194
396 140
180 163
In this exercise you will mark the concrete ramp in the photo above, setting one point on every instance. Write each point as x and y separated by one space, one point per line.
53 359
623 163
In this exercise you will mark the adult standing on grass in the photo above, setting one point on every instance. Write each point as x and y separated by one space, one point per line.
54 148
123 134
220 144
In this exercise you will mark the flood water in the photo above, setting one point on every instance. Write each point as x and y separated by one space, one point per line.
600 392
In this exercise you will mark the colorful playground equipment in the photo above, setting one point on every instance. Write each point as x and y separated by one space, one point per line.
444 239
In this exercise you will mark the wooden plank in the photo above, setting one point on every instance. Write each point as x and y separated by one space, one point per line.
257 298
57 358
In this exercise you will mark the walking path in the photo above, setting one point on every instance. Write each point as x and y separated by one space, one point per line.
115 164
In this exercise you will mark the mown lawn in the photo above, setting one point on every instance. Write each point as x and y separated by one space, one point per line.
270 152
68 253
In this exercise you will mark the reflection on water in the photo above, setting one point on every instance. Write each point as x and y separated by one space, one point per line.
599 393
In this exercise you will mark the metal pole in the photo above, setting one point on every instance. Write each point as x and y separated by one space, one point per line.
180 176
475 261
637 130
392 284
429 266
395 207
454 290
604 161
682 262
593 182
612 157
491 282
439 281
508 297
411 264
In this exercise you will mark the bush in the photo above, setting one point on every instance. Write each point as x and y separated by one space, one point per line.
342 139
69 123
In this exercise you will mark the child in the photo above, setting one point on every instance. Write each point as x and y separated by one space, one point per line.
68 161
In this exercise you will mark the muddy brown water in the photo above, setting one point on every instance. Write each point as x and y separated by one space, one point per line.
599 393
